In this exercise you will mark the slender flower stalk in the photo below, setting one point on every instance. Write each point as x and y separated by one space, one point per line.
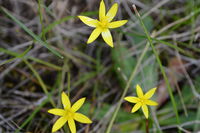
160 65
104 23
69 114
142 100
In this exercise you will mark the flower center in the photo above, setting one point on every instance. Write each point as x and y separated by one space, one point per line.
69 113
103 24
142 101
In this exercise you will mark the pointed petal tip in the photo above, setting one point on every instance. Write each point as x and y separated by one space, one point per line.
49 111
88 42
111 45
132 111
125 21
80 17
126 98
137 85
63 93
83 98
156 104
89 121
115 4
53 130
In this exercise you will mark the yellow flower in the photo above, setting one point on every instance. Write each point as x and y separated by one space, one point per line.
142 100
102 26
68 114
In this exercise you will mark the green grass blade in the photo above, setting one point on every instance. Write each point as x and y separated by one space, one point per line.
133 73
57 22
166 43
37 38
41 18
52 25
31 116
19 56
160 65
31 58
40 81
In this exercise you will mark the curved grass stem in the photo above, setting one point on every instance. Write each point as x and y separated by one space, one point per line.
126 88
160 65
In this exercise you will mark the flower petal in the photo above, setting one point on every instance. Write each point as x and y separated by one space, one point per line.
136 107
65 101
117 24
77 105
150 102
88 21
59 112
102 10
107 37
59 123
150 93
139 91
145 111
132 99
112 12
81 118
96 32
72 125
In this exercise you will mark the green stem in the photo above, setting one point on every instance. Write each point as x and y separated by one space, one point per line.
126 88
41 18
68 83
160 65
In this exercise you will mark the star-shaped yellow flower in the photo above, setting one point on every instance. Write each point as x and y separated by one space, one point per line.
68 114
102 26
142 100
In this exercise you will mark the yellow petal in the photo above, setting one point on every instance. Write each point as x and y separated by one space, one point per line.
139 91
102 10
88 21
77 105
112 12
82 118
72 125
132 99
136 107
96 32
117 24
107 37
59 112
59 123
145 111
150 93
150 102
65 101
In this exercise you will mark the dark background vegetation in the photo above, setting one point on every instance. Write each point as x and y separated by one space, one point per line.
97 71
